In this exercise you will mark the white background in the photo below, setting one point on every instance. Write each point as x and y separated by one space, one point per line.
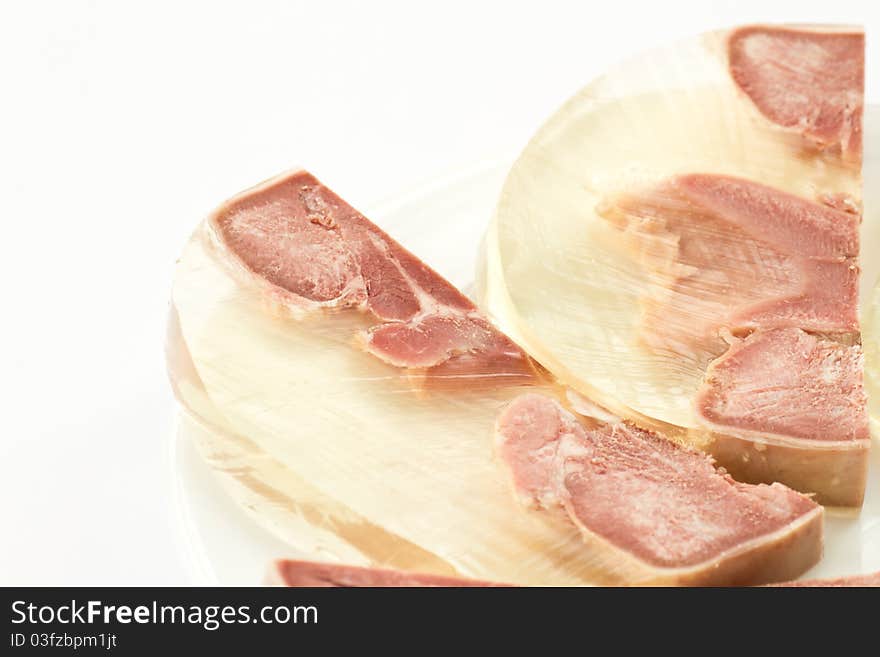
122 124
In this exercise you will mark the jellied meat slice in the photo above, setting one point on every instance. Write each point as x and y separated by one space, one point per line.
662 508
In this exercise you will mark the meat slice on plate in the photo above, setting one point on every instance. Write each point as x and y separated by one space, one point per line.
351 393
664 511
293 573
318 253
729 255
806 80
789 383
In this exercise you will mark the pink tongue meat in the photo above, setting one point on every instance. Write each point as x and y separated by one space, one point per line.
320 252
807 81
646 499
738 255
790 383
288 572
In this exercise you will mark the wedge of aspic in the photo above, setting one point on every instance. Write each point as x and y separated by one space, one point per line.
682 239
348 395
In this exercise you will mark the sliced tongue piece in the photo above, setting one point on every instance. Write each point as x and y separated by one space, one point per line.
734 255
663 509
320 253
290 572
808 81
788 383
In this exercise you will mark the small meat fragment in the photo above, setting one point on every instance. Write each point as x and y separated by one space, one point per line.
808 81
288 572
660 507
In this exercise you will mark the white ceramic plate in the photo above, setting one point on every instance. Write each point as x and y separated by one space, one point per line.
443 223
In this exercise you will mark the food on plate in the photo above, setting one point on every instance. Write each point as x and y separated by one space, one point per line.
348 394
681 242
663 510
